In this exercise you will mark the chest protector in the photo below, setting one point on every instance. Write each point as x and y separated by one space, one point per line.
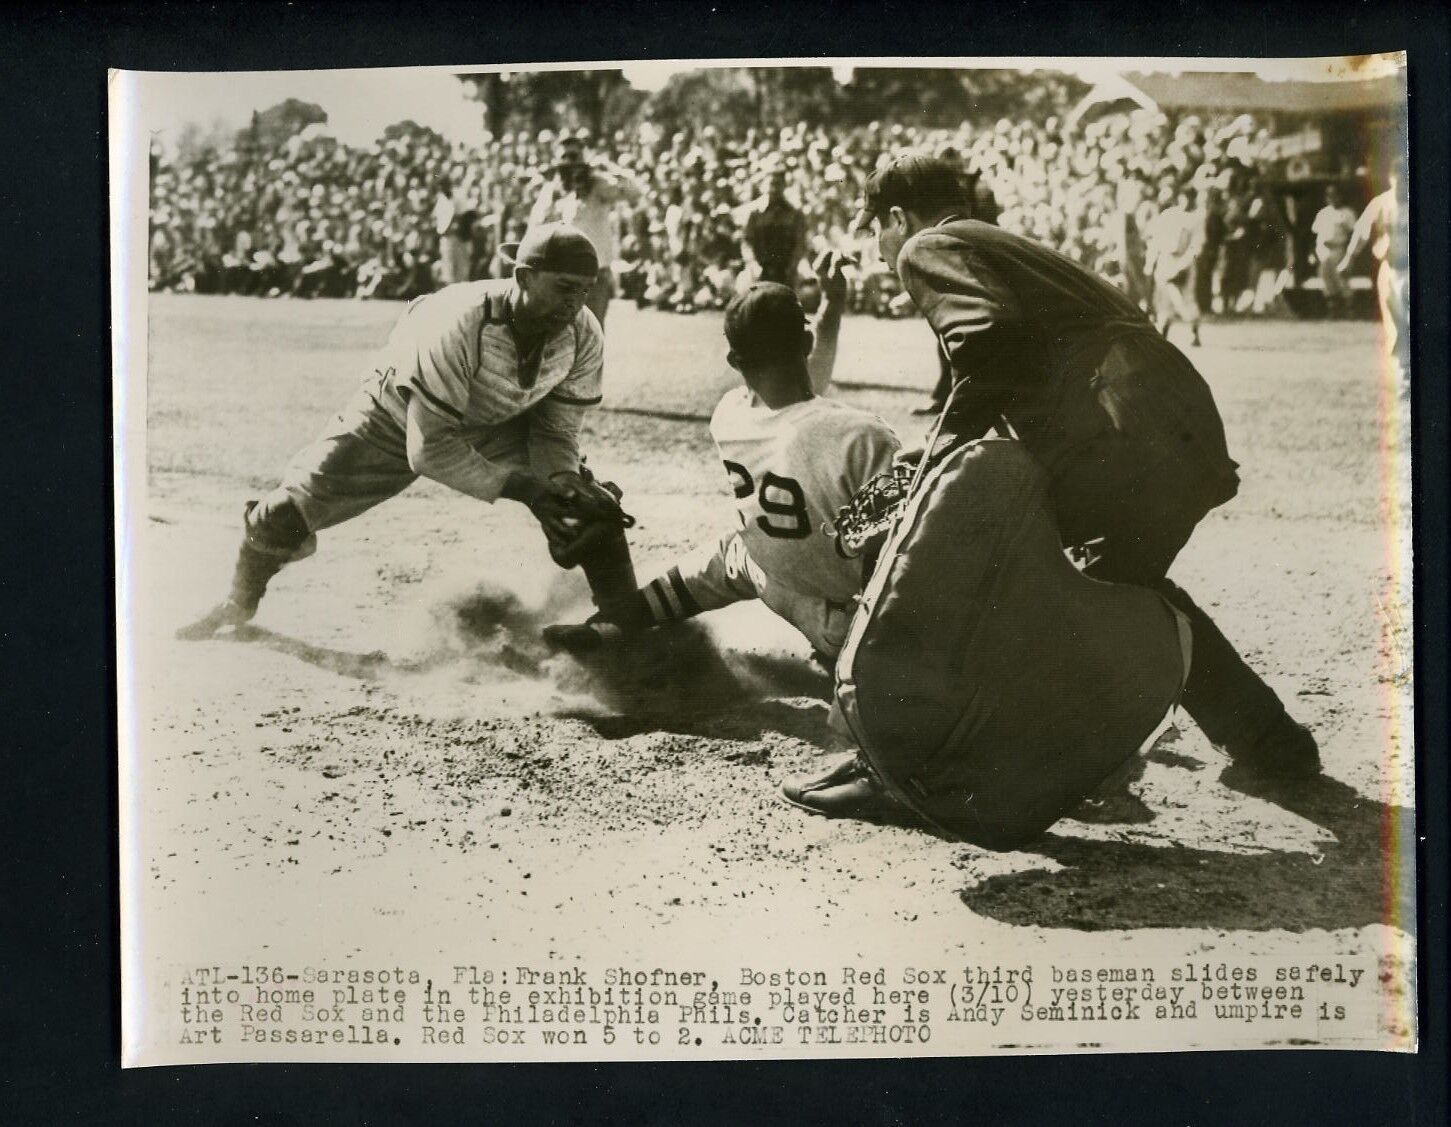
990 685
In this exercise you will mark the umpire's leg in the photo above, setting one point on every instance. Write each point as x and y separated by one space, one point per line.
1227 699
1135 528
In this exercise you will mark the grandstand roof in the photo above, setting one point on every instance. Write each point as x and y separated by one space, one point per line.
1249 93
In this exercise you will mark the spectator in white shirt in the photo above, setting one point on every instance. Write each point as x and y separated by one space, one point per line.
1175 241
584 193
1383 227
1332 227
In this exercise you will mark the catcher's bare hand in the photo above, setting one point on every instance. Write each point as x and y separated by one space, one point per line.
575 510
549 502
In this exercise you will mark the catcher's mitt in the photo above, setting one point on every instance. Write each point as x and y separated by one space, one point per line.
588 512
871 511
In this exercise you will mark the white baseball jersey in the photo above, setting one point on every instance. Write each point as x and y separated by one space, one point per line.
791 470
1332 228
455 350
1176 238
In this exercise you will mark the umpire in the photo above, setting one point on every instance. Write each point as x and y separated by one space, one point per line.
1045 351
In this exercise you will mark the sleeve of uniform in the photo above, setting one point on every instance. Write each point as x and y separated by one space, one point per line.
826 333
556 420
616 183
539 213
438 392
752 225
973 313
869 452
444 357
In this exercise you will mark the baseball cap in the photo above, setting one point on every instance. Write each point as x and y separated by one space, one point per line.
916 182
765 321
558 247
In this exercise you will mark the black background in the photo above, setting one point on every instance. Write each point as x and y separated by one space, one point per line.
59 1001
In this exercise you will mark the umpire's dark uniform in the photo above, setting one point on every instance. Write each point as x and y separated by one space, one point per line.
1048 352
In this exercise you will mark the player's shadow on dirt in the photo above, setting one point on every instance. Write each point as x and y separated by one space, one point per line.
376 664
1105 885
361 666
685 685
746 721
679 679
679 683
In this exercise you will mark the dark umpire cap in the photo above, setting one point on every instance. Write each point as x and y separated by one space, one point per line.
556 247
765 322
917 182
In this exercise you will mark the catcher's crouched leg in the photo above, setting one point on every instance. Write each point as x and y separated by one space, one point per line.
621 607
610 573
274 535
592 538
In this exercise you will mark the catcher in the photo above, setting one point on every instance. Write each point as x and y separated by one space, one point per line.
482 386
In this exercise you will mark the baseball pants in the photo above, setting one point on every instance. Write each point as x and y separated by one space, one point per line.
1132 498
346 471
724 573
1174 299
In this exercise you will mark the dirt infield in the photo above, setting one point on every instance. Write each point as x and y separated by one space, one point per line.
391 754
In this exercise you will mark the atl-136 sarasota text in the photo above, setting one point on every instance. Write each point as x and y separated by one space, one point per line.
613 1010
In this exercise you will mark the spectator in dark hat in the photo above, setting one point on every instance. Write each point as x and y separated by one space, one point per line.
775 233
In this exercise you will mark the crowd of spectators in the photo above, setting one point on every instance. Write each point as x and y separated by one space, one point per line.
318 218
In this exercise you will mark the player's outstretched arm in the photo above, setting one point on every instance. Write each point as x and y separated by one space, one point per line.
618 183
826 325
555 421
554 428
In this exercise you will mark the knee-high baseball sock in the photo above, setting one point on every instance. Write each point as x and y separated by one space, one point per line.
274 535
611 576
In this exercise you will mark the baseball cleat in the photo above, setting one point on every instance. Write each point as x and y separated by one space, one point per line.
1286 751
1112 808
845 791
225 615
582 637
1112 802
